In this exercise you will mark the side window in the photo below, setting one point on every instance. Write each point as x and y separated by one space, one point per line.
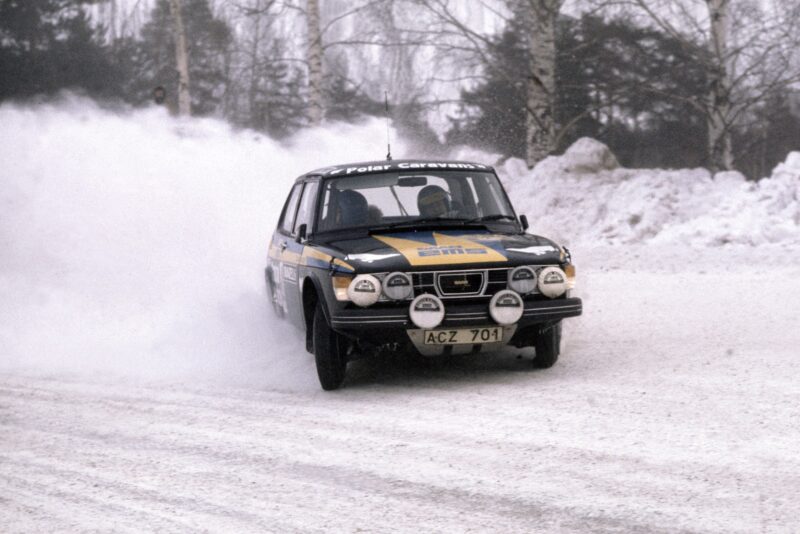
305 215
289 211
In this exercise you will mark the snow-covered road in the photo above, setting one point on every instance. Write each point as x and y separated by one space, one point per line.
675 407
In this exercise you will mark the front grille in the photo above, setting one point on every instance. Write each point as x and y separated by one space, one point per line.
480 283
466 283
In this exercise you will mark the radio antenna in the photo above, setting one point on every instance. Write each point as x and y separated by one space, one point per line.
388 138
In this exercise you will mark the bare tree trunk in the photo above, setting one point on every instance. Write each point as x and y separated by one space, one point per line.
181 60
112 23
316 110
254 48
540 122
720 153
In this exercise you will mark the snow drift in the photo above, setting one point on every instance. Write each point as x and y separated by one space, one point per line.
584 197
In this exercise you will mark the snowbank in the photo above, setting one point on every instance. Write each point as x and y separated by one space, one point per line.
583 197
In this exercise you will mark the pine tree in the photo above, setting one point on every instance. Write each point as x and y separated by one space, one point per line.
151 58
49 45
615 81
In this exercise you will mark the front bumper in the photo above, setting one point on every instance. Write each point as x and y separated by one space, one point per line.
356 322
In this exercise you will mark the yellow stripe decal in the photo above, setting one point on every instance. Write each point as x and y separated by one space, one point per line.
343 264
274 252
447 251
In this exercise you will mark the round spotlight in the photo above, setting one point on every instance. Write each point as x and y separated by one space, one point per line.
552 282
506 307
522 280
427 311
364 290
397 286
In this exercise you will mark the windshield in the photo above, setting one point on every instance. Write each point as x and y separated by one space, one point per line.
397 199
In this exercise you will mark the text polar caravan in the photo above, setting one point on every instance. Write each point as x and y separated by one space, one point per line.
405 166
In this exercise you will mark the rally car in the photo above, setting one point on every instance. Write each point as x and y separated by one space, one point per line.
414 255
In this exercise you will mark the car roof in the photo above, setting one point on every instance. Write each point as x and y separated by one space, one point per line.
370 167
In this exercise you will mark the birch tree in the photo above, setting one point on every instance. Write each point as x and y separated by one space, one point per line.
751 54
540 124
181 60
452 36
314 50
720 148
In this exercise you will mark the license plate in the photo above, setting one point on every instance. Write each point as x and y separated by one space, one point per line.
464 336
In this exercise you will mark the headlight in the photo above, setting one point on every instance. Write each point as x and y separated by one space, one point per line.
397 286
506 307
364 290
340 285
552 282
522 280
426 311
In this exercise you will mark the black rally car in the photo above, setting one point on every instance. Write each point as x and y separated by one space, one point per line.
411 253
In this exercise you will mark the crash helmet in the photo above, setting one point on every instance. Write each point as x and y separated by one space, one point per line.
353 208
433 201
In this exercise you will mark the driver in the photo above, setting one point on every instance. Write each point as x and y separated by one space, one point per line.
433 201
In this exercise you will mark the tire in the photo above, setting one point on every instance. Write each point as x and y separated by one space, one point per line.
548 346
273 296
329 352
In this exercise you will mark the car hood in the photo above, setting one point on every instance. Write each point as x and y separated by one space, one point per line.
449 249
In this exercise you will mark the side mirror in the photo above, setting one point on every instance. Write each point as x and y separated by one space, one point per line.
523 219
301 232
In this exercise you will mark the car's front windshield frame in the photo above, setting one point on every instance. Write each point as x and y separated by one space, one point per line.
506 215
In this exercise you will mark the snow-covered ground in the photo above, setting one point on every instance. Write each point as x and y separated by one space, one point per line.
144 384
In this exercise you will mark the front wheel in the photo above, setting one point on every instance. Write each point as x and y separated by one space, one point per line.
329 352
548 346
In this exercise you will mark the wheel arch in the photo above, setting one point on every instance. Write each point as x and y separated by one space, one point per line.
312 293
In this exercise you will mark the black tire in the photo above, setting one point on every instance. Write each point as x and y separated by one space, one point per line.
548 346
329 352
273 297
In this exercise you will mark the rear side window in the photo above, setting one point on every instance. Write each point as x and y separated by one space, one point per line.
289 211
305 215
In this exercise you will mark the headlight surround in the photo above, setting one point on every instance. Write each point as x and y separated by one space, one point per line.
364 290
569 270
340 285
506 307
552 282
522 279
397 286
426 311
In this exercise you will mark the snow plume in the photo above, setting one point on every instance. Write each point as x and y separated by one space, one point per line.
584 197
135 243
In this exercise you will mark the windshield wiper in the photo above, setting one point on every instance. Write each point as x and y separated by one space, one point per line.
423 221
494 217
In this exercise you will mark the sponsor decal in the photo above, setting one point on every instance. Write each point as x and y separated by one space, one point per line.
426 304
553 277
523 274
364 286
445 249
346 171
289 273
508 301
397 281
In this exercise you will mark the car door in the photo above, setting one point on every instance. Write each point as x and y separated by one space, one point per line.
296 246
283 261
